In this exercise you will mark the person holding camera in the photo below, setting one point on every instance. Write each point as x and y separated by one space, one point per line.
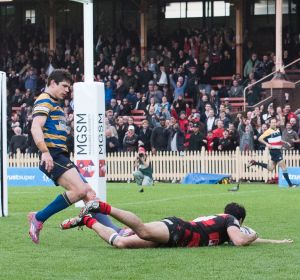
143 176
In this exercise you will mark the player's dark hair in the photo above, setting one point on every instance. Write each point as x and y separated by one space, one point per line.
59 75
236 210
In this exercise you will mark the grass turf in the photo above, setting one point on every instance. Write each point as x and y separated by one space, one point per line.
72 254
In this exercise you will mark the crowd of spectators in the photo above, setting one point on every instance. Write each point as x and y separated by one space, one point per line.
172 85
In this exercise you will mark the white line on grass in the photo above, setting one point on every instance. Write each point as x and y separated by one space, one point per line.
184 197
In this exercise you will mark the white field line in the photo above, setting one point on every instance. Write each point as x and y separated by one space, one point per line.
186 197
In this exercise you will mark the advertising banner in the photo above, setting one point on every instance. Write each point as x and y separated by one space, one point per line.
294 175
27 177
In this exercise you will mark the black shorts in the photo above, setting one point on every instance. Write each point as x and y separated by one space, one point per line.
276 155
177 228
62 163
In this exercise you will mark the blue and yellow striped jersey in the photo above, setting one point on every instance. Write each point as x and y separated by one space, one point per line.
273 137
55 129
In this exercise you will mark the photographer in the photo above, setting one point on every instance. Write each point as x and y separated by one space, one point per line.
143 176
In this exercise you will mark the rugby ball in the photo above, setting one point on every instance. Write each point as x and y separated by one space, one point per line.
247 230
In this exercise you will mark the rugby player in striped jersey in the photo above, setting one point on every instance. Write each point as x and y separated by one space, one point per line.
49 131
273 141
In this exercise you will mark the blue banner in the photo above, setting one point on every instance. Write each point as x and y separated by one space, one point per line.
27 177
203 178
294 175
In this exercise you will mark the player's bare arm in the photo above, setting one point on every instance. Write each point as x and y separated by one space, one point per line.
38 137
273 241
240 239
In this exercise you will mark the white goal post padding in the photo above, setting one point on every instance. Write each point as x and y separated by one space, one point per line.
3 147
89 134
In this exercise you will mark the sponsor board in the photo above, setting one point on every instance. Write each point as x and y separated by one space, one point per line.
294 175
27 177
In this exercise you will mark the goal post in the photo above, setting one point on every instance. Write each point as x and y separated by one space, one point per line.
3 147
89 134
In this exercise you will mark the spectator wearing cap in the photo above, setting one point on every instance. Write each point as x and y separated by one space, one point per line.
130 141
197 140
159 137
144 173
175 138
131 122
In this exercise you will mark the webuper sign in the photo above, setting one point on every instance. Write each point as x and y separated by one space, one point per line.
27 177
89 134
294 175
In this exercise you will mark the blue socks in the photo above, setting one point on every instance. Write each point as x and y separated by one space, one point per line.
61 202
106 221
286 176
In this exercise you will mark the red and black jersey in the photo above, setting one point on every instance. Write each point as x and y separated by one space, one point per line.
203 231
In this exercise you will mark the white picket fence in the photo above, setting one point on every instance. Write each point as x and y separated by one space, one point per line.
173 165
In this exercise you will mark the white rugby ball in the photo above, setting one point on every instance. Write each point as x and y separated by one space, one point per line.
247 230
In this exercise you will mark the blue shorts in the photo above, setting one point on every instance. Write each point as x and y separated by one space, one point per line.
62 163
276 155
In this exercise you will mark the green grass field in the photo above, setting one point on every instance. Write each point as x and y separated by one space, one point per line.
73 254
